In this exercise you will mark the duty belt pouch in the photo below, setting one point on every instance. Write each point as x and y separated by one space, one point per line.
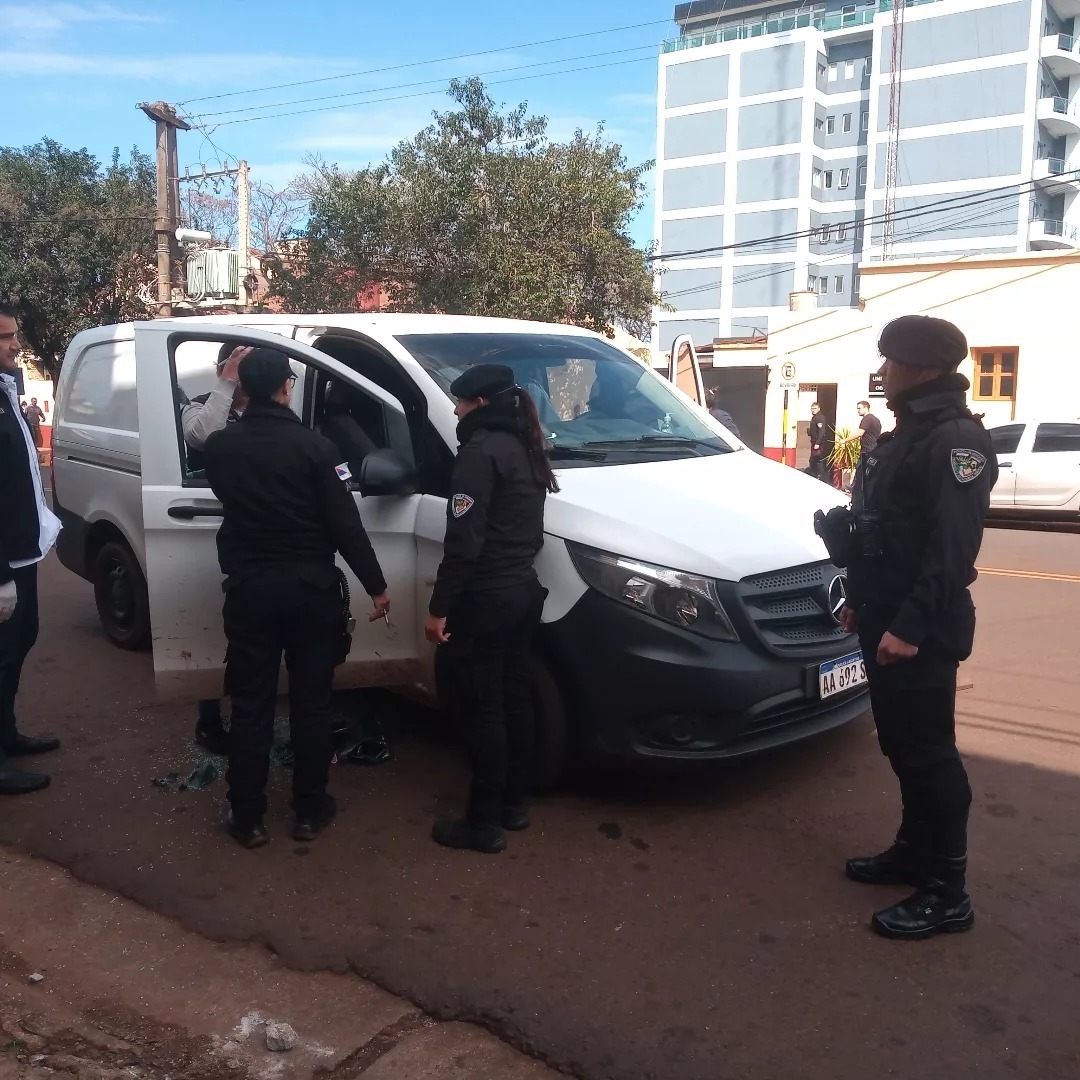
348 623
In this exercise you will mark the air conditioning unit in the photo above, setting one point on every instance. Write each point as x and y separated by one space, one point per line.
214 275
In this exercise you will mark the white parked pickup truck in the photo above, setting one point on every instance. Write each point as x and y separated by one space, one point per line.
692 608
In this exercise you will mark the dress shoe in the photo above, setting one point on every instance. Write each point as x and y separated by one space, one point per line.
931 910
515 818
308 826
212 737
248 836
897 866
487 839
17 782
28 746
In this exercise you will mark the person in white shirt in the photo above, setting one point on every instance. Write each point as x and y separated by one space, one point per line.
28 530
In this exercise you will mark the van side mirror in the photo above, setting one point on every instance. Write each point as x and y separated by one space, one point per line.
386 472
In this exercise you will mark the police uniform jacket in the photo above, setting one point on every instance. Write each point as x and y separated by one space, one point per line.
284 502
920 499
495 515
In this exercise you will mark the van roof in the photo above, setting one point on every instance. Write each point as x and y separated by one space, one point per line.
375 323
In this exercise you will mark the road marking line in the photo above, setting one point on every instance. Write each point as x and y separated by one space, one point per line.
1033 574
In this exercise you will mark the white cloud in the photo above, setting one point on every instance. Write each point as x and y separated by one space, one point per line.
47 20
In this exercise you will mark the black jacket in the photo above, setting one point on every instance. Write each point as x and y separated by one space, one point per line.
495 514
820 436
920 499
284 502
20 526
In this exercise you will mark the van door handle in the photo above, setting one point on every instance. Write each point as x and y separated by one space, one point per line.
189 513
1006 465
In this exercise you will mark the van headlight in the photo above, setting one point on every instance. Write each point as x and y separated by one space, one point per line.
673 596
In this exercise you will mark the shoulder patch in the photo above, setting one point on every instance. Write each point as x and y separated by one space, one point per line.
461 505
343 471
967 465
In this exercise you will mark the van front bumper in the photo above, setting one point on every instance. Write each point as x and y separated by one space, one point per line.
640 690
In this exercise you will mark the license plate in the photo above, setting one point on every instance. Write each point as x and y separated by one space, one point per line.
841 674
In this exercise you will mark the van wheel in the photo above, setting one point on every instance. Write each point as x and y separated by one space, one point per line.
122 601
552 728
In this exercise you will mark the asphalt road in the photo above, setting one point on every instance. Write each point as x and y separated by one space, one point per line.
685 929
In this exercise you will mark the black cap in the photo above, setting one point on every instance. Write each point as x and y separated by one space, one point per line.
925 342
263 373
483 381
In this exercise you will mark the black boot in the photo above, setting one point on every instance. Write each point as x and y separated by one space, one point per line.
515 818
29 746
487 839
899 865
212 736
309 825
940 905
250 836
16 782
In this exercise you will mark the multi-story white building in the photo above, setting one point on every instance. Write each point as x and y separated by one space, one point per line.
773 136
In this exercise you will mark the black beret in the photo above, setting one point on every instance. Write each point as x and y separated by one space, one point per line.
923 341
483 380
263 373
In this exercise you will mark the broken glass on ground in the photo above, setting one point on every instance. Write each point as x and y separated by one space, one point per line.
204 774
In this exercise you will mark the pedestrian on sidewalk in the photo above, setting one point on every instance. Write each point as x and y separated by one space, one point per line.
35 418
28 530
200 418
487 601
919 501
286 512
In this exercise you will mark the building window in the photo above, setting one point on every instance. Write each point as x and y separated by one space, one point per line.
841 232
845 178
849 70
819 124
828 178
995 374
826 233
834 72
866 121
847 122
817 178
811 283
856 283
822 286
862 176
822 71
830 125
838 284
848 9
868 63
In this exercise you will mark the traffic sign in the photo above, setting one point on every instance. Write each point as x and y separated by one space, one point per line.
788 380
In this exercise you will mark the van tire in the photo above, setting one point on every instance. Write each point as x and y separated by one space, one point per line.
123 603
552 753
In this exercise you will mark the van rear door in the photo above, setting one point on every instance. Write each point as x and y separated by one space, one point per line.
181 515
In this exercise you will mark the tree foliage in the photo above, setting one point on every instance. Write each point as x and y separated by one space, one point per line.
276 213
482 213
76 242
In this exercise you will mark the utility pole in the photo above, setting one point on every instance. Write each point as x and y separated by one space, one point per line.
243 210
167 217
892 156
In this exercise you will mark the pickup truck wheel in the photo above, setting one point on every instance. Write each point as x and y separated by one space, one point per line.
552 728
122 601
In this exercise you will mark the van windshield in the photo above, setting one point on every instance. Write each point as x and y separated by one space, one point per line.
593 400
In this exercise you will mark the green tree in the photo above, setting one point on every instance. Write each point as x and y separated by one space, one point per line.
482 213
76 242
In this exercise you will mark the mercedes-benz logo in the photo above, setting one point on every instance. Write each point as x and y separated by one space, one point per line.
837 596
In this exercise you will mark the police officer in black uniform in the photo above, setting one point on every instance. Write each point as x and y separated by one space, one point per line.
919 502
285 514
487 601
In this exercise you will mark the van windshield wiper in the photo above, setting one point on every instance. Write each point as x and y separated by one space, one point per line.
563 453
659 442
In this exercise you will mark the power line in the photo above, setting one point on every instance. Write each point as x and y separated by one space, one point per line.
430 93
423 82
76 220
957 201
426 63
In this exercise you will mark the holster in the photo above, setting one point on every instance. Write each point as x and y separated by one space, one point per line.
837 531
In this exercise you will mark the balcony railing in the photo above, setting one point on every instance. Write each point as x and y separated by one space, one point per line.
805 20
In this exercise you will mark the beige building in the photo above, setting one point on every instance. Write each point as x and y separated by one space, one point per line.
1020 314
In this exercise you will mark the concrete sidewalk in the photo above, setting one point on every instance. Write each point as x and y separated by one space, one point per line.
126 994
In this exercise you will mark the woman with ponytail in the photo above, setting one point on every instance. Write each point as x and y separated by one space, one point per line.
487 600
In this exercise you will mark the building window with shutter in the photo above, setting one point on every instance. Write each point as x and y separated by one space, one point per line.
995 374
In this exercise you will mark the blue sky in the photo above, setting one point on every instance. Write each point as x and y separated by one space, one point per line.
75 71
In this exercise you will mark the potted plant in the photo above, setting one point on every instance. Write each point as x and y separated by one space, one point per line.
845 456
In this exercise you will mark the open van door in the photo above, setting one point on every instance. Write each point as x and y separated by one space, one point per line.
685 371
181 515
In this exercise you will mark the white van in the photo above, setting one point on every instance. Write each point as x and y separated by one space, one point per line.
692 609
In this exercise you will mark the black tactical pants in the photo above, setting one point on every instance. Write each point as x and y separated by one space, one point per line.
914 703
485 667
295 612
17 638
